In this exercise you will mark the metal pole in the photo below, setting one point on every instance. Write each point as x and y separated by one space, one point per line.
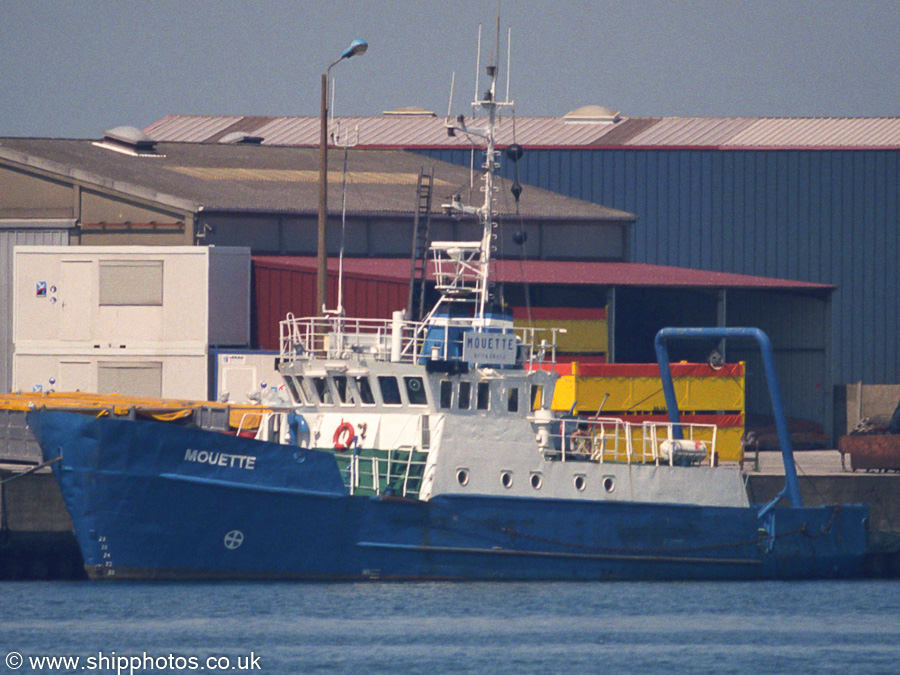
792 486
322 249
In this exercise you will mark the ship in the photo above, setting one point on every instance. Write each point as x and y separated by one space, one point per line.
428 450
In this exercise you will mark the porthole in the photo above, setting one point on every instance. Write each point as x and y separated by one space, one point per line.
536 481
506 479
609 483
462 477
580 483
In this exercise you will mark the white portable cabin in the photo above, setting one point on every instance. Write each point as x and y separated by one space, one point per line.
137 320
243 377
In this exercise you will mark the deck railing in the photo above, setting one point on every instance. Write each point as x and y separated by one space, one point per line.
399 473
610 439
399 340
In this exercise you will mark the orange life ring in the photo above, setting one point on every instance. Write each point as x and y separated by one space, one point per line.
344 436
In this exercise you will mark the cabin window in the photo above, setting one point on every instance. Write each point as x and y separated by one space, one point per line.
131 282
512 400
390 390
446 393
293 388
307 389
415 391
344 394
483 396
465 395
322 391
365 390
537 396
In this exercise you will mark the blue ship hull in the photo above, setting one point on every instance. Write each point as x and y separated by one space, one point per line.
152 500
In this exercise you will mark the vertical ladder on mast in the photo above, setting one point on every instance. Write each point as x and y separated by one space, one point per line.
418 262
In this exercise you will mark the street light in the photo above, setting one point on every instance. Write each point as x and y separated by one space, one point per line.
356 47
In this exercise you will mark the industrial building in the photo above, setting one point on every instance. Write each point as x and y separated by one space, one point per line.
126 190
238 189
812 200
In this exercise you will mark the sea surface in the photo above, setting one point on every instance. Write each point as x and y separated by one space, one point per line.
432 628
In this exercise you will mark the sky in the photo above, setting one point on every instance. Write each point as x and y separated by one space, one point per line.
74 68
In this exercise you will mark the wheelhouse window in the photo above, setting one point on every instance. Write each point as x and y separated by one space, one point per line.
294 387
446 393
344 394
483 396
415 391
390 390
512 400
365 390
465 395
307 389
322 390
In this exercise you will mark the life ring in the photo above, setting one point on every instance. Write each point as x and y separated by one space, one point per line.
344 436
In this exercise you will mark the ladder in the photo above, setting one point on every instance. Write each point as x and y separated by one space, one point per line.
420 242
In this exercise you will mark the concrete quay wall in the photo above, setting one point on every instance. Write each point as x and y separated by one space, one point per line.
881 491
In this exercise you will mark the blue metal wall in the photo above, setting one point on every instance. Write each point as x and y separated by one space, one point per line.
827 216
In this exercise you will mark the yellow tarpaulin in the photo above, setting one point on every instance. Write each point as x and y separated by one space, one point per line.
244 417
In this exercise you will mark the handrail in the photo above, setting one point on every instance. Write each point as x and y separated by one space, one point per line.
612 439
792 486
357 465
341 337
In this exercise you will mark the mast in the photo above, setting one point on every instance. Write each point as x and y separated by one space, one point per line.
484 213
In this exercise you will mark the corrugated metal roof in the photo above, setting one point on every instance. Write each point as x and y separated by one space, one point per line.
225 177
690 131
189 128
383 131
832 132
566 272
417 131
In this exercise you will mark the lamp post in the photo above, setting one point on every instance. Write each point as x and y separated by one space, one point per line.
356 47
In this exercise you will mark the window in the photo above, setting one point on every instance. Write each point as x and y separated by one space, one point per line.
340 383
307 389
483 397
537 396
446 393
512 399
415 391
293 388
390 390
322 390
127 282
365 390
465 395
130 379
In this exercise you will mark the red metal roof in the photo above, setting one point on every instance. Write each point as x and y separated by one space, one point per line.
423 131
561 272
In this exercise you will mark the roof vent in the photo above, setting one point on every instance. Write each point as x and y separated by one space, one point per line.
129 140
241 138
410 111
592 114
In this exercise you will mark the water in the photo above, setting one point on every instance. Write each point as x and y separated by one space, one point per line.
765 627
